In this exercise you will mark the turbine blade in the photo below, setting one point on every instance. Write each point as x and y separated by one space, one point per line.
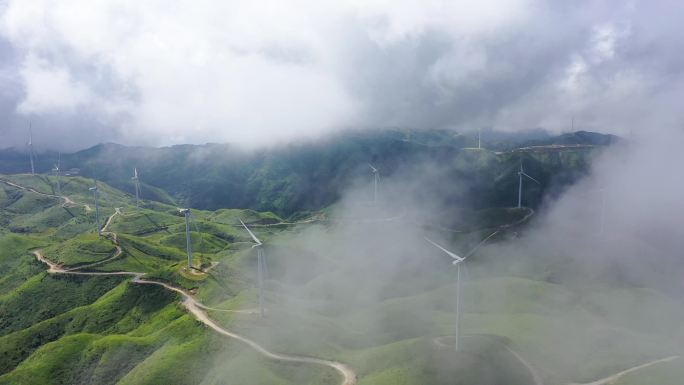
456 258
480 244
258 242
373 168
536 181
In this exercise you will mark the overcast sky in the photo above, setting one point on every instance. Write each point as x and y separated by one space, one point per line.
163 72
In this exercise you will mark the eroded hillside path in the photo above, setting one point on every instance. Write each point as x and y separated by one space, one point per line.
66 199
196 308
615 377
534 375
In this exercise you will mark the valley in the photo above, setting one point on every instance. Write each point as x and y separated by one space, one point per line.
315 320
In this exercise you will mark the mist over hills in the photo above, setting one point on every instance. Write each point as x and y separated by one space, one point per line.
341 192
309 176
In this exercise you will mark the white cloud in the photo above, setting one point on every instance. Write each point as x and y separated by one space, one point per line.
49 88
158 72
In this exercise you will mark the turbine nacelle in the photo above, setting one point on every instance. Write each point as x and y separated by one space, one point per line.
373 169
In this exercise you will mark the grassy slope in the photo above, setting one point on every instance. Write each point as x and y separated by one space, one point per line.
666 373
107 331
95 329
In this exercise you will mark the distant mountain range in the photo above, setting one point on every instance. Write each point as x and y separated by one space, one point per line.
311 175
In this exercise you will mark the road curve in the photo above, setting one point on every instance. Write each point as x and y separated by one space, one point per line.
191 304
536 378
613 378
67 200
196 308
115 240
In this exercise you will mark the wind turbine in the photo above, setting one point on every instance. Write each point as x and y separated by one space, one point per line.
97 209
56 171
188 242
479 139
30 149
603 211
136 182
375 182
521 173
260 267
457 262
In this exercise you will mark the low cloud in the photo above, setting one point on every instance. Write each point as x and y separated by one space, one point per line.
269 72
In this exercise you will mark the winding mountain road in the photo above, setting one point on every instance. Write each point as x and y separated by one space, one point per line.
66 199
615 377
536 378
196 308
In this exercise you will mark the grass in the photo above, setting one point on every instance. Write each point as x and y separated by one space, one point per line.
16 263
666 373
82 249
105 330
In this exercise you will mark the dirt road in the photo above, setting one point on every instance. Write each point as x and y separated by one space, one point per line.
196 308
533 372
615 377
442 343
66 199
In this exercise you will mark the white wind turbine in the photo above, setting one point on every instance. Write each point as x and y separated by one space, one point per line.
522 173
188 242
375 182
55 170
30 150
457 262
260 267
97 209
136 182
479 139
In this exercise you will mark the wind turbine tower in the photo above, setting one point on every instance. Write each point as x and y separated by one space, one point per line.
188 242
97 209
375 182
136 182
521 173
30 149
457 262
602 229
479 139
261 264
56 171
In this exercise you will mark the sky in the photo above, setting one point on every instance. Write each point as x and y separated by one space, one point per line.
263 72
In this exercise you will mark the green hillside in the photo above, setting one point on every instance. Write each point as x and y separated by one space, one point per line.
328 294
310 176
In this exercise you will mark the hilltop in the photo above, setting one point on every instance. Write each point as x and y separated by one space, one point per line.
65 329
310 176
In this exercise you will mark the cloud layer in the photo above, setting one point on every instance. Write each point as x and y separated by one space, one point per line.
267 71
